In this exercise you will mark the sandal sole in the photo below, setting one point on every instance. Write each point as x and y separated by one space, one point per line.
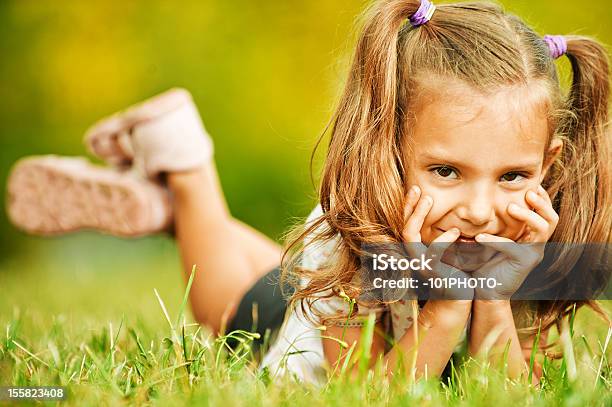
51 195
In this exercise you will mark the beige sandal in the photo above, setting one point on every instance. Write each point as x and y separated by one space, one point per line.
161 134
49 195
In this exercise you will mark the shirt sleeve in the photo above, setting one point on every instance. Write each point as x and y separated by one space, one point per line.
314 257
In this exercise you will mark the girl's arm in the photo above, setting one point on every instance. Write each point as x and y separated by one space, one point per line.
439 329
428 344
494 317
491 309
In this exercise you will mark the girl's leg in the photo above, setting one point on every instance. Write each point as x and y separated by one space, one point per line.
162 134
229 255
263 253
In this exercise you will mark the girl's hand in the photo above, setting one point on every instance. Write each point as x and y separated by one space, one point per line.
517 259
415 211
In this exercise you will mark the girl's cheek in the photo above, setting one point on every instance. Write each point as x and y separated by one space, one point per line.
513 227
518 197
442 204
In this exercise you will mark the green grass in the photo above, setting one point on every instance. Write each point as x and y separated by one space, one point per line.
123 336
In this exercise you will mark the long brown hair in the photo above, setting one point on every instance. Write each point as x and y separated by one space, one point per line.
363 185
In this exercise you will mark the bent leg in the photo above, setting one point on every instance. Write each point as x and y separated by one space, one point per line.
264 254
229 255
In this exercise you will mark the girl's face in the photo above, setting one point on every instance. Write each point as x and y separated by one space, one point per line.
476 154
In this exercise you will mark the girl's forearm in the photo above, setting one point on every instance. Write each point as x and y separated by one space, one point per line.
433 340
494 317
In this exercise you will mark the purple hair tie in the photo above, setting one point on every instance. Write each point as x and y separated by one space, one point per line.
557 45
423 14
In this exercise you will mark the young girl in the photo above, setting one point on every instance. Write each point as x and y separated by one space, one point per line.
452 127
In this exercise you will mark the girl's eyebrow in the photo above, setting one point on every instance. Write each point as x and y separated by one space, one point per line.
524 165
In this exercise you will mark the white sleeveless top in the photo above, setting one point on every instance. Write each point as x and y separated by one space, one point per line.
298 348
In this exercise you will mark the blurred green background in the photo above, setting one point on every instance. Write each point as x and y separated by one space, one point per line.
264 74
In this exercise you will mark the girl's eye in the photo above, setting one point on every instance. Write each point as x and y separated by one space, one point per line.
512 177
445 172
450 173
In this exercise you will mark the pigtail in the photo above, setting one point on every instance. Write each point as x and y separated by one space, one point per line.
364 149
585 187
362 191
582 187
589 131
362 184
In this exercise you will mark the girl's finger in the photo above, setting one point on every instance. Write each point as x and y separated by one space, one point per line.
526 236
412 231
413 197
501 244
441 243
544 194
538 225
543 207
436 250
415 249
521 253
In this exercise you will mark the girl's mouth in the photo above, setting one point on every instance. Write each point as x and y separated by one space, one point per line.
466 239
467 243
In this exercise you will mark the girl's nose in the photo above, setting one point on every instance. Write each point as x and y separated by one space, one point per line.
477 207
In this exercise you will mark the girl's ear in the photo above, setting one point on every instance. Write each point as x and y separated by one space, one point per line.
556 146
